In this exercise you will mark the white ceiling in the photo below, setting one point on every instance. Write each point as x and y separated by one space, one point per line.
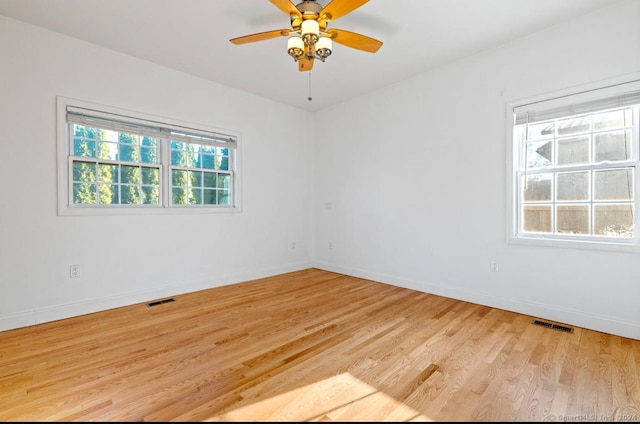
193 36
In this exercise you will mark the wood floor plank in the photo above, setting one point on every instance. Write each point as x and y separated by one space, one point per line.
314 345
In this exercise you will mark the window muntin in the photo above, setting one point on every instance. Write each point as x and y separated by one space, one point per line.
117 161
577 176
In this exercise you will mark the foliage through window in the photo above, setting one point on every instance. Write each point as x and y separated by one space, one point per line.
199 174
114 168
576 169
117 161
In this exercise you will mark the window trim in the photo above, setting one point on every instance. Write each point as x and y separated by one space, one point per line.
64 158
587 91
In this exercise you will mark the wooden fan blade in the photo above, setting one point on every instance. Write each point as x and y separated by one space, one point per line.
287 7
261 36
338 8
305 64
354 40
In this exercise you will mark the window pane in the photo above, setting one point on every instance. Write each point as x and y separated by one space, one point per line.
572 219
615 184
128 139
127 153
195 178
150 195
107 150
208 161
223 158
179 196
195 196
224 180
208 150
130 174
84 148
572 186
148 155
574 125
179 178
149 150
108 173
209 179
613 146
615 119
613 220
224 197
150 176
536 218
130 194
573 151
190 155
84 132
84 141
84 194
209 197
108 194
543 130
197 156
539 154
85 172
178 157
537 187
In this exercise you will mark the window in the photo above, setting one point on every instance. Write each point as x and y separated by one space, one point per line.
575 168
111 160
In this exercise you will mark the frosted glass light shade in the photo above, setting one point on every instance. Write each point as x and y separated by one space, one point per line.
295 47
324 43
323 48
310 31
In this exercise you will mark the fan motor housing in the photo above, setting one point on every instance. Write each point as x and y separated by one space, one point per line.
309 6
310 9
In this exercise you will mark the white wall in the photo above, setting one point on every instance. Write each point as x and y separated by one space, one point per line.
415 177
403 169
130 259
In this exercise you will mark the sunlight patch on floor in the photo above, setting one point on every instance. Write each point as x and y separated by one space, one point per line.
340 398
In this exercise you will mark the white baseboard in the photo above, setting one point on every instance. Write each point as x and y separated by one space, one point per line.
68 310
602 323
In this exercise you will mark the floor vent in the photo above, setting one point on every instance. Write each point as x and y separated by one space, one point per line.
554 326
160 302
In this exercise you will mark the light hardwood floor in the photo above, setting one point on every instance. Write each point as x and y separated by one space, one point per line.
314 346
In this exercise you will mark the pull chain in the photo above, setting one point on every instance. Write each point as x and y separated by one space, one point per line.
309 98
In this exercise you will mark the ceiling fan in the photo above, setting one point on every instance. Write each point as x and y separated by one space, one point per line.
309 36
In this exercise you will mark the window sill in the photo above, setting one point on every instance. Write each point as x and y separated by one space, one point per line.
631 246
144 210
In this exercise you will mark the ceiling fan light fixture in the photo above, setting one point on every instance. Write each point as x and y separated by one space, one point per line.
295 47
323 48
310 31
309 37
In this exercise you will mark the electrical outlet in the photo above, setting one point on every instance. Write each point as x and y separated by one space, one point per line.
74 271
493 266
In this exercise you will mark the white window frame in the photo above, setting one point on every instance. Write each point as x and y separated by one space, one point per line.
560 99
65 160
